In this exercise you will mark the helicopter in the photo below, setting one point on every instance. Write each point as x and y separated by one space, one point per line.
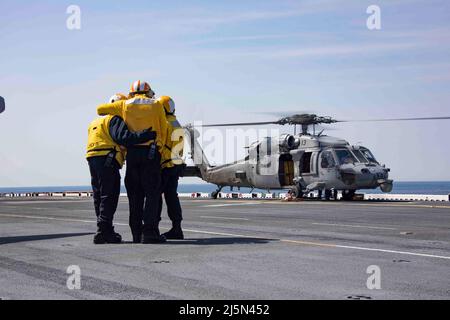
302 163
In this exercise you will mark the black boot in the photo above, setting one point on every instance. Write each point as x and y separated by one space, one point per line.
106 234
175 233
107 237
153 236
116 234
136 232
137 237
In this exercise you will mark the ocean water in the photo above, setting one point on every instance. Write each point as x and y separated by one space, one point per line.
418 187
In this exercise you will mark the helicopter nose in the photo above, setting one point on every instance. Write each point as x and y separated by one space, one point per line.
374 174
370 176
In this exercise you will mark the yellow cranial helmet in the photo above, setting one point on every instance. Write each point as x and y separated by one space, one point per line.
117 97
168 104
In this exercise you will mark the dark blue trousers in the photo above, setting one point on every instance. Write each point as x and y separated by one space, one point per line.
105 181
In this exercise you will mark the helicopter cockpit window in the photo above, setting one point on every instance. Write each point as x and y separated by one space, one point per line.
327 160
359 155
368 155
345 156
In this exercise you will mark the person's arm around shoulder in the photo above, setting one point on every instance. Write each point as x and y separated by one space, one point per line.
114 109
120 133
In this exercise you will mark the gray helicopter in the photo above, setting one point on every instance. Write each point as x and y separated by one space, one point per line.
302 163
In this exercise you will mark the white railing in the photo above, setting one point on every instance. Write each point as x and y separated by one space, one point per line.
237 195
406 197
70 194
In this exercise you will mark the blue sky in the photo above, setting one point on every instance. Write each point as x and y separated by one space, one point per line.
224 61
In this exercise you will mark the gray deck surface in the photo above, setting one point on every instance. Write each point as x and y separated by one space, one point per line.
235 249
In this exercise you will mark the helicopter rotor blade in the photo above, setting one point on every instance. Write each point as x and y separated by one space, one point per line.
283 113
312 119
240 124
397 119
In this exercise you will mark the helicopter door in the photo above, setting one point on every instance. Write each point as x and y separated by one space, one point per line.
266 163
327 166
286 170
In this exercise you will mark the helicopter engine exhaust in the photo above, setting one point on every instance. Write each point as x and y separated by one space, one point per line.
287 142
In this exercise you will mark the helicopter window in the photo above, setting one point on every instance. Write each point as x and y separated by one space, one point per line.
345 156
306 162
368 155
327 160
359 155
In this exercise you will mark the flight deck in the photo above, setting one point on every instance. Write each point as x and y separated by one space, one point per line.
234 249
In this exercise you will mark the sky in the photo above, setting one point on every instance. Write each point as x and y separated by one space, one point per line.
224 61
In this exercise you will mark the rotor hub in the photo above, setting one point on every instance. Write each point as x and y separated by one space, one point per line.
305 120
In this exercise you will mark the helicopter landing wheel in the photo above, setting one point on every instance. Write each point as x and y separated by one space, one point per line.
215 194
319 194
327 195
347 195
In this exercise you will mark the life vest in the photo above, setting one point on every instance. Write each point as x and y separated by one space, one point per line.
172 153
100 142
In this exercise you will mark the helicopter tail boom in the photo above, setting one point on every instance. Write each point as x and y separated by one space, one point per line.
197 154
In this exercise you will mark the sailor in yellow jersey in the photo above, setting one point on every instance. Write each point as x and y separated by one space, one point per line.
172 166
107 137
143 174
